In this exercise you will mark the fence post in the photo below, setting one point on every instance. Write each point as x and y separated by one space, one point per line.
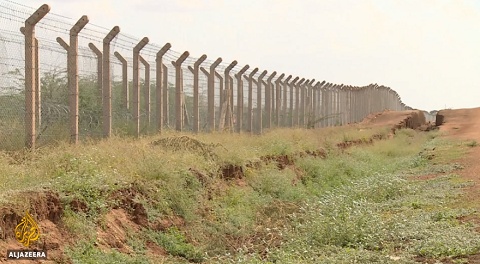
160 87
328 104
211 93
126 95
259 102
313 109
303 92
334 104
147 89
297 101
278 99
307 106
166 100
31 72
99 55
221 83
250 100
136 83
72 72
268 100
225 107
38 93
107 84
179 90
196 113
293 87
284 103
239 116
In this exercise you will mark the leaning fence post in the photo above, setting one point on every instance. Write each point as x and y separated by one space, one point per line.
196 112
179 90
259 102
99 55
239 116
147 89
136 83
278 98
107 84
72 70
31 71
250 100
126 99
159 86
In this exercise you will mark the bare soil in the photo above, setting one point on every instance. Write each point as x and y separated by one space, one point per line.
464 124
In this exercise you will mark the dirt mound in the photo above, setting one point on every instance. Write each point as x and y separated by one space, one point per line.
399 119
460 123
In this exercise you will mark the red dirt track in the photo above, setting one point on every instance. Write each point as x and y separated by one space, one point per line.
464 124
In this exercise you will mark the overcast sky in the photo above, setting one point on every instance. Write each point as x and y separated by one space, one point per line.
426 50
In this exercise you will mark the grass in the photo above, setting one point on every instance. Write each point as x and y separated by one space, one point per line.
358 205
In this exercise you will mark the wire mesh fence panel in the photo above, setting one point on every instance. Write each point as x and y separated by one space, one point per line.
113 99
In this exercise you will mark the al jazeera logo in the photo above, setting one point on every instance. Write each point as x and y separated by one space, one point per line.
27 233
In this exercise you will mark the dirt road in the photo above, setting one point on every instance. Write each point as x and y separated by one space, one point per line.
464 124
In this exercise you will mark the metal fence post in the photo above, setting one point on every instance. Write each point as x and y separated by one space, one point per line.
160 87
31 72
107 84
196 112
72 72
239 116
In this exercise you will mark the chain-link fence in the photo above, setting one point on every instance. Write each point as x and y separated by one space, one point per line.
127 86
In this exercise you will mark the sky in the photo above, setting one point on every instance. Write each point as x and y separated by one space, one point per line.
426 50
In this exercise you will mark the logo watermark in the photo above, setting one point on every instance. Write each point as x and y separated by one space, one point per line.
27 233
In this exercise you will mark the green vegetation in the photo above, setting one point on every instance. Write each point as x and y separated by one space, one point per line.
288 196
